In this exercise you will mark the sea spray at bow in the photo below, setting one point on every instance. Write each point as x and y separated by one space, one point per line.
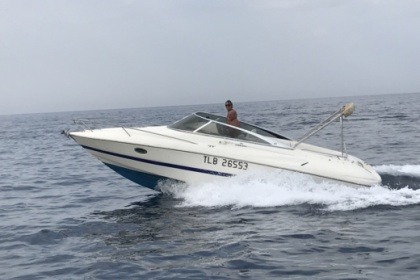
400 176
275 189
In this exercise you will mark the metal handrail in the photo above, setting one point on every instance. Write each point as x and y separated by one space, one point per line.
84 124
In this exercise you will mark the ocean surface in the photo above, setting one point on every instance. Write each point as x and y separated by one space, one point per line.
65 215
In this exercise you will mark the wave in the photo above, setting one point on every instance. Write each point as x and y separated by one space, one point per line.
282 188
399 170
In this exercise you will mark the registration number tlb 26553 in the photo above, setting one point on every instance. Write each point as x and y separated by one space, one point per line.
231 163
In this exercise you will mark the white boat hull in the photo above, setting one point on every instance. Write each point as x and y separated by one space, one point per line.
149 155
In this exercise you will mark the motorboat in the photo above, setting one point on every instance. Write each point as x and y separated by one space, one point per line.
202 147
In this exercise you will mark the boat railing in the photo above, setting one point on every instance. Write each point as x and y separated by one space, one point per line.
87 124
84 124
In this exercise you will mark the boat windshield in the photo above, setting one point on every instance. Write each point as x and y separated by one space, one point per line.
215 125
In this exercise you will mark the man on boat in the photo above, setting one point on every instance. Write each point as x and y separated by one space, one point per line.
232 116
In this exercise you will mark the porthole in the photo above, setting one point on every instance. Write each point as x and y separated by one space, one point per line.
140 151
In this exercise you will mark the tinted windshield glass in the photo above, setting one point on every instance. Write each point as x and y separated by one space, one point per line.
230 132
189 123
215 125
244 125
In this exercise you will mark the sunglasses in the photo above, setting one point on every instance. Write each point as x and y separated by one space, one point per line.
228 105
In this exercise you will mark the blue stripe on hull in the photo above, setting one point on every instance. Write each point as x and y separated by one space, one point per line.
159 163
145 179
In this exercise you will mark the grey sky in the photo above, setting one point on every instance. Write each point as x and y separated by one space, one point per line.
60 55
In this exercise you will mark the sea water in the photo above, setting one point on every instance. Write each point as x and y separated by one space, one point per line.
65 215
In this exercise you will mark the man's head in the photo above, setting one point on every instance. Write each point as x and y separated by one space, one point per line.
228 104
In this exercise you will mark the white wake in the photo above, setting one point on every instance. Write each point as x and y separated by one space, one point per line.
274 189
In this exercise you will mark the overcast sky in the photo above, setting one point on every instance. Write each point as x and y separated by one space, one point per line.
58 55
